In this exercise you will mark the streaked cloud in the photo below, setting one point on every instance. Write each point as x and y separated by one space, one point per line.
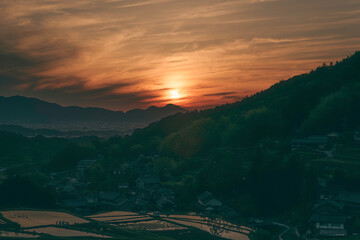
123 54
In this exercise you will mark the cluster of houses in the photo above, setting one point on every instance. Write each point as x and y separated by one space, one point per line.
315 142
310 142
138 188
334 214
144 192
319 142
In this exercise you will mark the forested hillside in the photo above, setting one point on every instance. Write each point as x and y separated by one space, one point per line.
324 100
242 151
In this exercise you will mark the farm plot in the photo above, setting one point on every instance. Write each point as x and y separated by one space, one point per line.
134 221
27 219
216 227
64 232
9 234
152 225
117 217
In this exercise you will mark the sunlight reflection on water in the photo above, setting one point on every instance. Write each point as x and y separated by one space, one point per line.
216 226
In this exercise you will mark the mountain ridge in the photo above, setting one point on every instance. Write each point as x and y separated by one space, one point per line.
323 100
20 109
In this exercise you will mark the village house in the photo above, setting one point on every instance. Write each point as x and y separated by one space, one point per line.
147 182
351 201
68 189
327 193
227 212
208 200
311 142
113 200
165 203
328 219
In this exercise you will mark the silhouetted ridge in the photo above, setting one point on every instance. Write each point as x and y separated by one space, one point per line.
18 109
323 100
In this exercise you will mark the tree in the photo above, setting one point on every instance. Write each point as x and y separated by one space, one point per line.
69 157
261 235
23 192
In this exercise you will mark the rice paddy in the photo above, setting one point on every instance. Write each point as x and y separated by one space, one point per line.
9 234
64 232
28 219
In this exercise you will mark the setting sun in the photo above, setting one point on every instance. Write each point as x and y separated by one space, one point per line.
175 94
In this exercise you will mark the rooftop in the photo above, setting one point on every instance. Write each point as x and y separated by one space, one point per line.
327 218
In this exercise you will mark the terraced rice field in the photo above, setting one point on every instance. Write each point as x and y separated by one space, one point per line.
130 220
215 227
118 217
27 219
9 234
64 232
152 225
113 214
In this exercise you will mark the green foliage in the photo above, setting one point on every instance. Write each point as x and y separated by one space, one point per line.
166 167
254 125
192 140
277 183
245 205
355 224
261 235
68 157
23 192
96 175
16 149
334 110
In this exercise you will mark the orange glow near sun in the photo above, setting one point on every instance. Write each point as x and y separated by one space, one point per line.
174 94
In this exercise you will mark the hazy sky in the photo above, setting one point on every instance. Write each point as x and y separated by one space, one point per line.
122 54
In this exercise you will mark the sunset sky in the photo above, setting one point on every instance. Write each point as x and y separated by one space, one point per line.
124 54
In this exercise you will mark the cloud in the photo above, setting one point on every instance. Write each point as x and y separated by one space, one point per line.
122 54
220 94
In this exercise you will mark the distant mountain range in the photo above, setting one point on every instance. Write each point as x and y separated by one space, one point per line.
25 111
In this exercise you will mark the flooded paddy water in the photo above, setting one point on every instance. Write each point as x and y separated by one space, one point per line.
28 219
58 224
151 225
9 234
216 227
64 232
45 222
